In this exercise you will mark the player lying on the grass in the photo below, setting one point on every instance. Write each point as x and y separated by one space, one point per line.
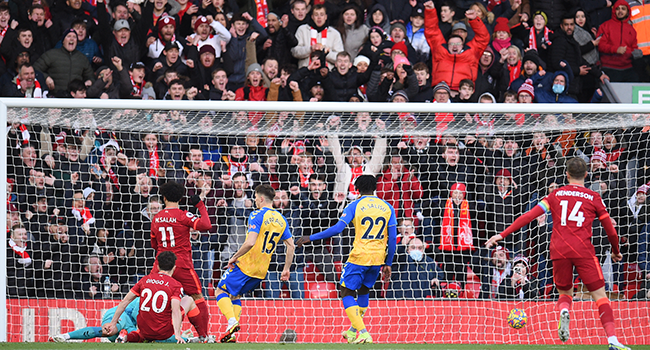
574 208
126 321
374 245
249 265
162 306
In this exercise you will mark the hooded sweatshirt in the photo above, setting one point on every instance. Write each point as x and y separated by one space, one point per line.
617 33
544 87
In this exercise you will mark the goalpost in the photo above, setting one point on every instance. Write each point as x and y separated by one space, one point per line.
531 142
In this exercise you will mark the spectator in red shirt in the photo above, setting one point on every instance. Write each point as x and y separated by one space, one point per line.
618 44
454 60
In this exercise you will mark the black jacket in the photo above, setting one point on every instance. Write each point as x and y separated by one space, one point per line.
340 88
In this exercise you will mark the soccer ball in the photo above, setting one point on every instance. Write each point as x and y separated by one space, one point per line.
517 318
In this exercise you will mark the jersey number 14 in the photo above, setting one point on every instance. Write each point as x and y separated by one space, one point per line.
576 215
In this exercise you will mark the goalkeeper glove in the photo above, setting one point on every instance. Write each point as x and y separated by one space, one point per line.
194 200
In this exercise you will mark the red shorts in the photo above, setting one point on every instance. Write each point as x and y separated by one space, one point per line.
187 277
588 269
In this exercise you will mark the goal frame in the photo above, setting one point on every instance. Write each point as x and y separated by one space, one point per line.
229 106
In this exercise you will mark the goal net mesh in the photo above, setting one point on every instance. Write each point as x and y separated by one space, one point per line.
84 185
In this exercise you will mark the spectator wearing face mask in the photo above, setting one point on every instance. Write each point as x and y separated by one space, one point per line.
419 277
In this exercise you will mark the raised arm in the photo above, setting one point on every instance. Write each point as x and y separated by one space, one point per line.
519 223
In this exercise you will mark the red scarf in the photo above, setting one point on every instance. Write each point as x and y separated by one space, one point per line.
111 173
515 71
236 167
314 38
137 88
356 172
465 237
501 44
274 181
492 4
37 92
83 214
181 13
23 256
304 179
262 11
154 162
442 122
532 38
25 134
4 31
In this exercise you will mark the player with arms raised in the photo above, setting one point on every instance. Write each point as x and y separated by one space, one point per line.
249 265
574 208
161 306
170 231
374 245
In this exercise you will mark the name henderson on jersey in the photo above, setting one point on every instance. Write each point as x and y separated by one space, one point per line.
575 194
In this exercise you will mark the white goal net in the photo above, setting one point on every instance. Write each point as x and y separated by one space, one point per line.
82 187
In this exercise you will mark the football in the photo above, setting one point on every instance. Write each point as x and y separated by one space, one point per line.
517 318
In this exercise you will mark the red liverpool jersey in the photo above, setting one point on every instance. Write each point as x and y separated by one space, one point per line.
156 292
170 231
574 209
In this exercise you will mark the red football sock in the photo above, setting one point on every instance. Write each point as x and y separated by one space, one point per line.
200 321
134 337
564 302
606 316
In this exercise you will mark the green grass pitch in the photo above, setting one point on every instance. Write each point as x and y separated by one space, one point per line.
268 346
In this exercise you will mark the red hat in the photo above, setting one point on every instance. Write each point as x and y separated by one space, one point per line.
11 208
527 87
458 186
502 25
504 173
165 21
402 47
200 20
500 248
643 188
599 155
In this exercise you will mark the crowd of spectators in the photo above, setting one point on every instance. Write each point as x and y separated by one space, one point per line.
81 197
80 200
304 50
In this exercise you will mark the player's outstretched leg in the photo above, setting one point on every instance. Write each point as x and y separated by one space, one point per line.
564 305
226 307
83 333
607 318
200 319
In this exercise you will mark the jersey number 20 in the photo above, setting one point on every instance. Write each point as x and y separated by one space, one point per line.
371 224
147 295
575 215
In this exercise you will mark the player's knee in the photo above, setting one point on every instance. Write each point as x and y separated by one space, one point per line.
197 296
364 290
346 292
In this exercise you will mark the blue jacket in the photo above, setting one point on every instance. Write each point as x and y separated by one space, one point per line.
544 87
418 40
